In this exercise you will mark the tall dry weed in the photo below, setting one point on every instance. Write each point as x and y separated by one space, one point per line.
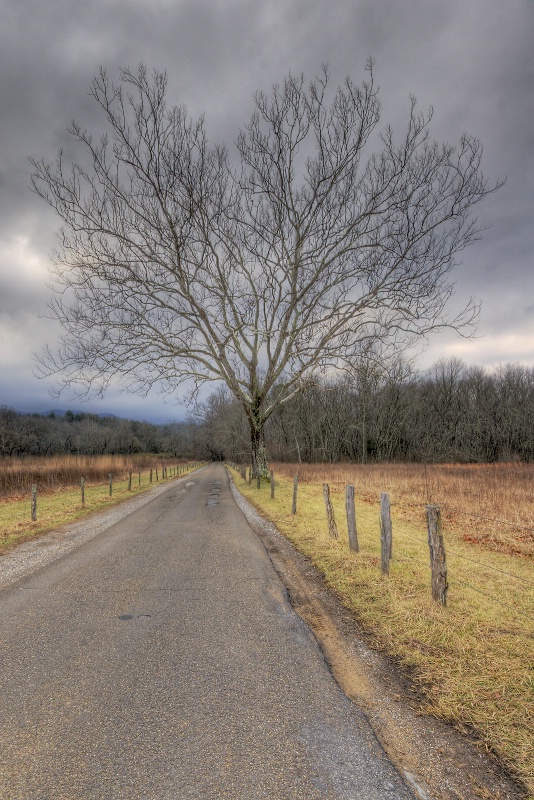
59 472
487 504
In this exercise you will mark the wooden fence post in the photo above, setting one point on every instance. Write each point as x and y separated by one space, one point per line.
34 502
110 484
438 563
385 533
82 488
151 475
351 518
157 477
332 527
139 478
295 488
272 484
130 481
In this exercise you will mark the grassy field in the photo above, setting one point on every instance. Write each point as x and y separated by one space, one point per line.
59 494
472 660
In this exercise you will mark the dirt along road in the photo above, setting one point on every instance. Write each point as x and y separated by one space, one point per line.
161 659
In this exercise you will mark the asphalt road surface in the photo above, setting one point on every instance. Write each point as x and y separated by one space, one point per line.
161 659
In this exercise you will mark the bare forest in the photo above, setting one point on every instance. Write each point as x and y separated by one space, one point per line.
451 413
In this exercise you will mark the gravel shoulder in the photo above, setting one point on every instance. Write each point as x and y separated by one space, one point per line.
31 556
438 761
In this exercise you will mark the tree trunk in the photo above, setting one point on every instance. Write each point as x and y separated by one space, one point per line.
258 452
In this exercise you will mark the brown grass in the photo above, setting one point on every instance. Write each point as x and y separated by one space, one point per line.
491 505
472 660
60 472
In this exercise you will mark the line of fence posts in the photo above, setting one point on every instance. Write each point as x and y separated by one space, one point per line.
436 546
164 474
438 562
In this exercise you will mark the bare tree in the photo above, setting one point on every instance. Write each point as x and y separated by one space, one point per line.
321 238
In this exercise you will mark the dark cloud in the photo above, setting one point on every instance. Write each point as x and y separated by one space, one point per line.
473 62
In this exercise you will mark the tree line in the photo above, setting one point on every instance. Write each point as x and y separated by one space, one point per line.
378 412
90 434
449 413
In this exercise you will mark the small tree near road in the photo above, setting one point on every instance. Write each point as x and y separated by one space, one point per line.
317 241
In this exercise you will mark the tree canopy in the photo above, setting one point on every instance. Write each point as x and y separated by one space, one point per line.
320 240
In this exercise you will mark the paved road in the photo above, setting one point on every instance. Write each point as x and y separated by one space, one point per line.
161 660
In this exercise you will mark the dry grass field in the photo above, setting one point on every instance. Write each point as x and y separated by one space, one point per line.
491 505
472 660
61 472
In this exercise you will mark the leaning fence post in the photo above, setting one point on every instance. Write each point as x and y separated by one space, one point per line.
110 484
34 502
82 488
351 518
385 533
295 488
438 563
332 527
272 484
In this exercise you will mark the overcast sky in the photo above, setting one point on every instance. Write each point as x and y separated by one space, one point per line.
472 61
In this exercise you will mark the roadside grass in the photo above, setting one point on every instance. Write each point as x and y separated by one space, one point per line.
60 506
471 661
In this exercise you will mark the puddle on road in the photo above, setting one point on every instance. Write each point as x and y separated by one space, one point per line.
213 497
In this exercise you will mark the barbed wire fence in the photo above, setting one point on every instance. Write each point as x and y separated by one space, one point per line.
442 553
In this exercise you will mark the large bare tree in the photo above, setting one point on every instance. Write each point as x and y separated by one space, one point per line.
318 239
